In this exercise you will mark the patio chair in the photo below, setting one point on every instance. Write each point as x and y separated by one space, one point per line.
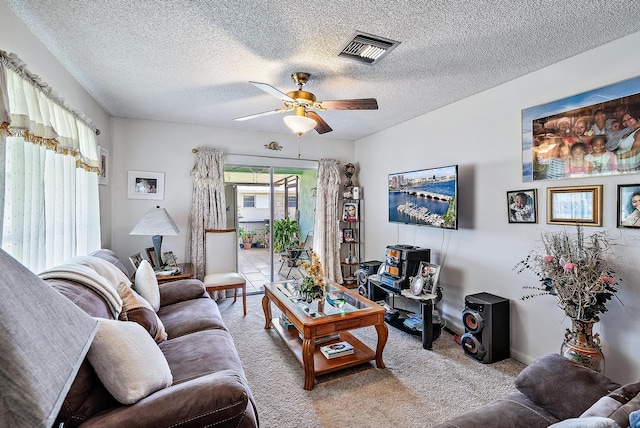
221 264
295 255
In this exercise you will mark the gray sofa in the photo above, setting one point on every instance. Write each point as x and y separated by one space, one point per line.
553 389
208 383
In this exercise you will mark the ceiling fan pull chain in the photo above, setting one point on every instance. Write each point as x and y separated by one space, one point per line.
299 145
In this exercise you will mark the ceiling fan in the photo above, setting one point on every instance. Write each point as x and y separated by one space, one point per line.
302 102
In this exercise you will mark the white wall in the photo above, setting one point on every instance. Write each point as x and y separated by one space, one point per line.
166 147
16 38
482 134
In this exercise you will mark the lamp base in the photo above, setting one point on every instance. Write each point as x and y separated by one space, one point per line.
157 246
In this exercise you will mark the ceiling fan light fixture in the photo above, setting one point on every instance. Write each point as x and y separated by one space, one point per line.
299 124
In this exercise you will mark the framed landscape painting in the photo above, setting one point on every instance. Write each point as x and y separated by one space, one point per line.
589 134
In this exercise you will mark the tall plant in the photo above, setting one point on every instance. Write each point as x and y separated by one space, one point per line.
285 234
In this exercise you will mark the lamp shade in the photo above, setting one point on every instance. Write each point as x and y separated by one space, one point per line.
44 338
156 221
299 124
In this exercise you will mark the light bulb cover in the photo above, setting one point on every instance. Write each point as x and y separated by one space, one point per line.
299 124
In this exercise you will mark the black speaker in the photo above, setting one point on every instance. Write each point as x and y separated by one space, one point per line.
486 325
362 276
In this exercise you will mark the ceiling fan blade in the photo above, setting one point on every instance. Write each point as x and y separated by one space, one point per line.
265 113
357 104
273 91
321 127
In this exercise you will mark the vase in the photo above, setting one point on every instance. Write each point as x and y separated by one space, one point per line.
321 305
582 346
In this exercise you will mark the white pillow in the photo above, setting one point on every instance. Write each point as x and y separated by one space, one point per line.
128 361
146 284
588 422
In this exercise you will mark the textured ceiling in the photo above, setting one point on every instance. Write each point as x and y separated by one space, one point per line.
190 61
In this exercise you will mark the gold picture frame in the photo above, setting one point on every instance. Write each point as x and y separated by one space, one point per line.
575 205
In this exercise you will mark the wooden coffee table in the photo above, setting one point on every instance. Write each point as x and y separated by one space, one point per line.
357 313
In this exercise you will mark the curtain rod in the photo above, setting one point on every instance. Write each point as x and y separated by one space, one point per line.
264 156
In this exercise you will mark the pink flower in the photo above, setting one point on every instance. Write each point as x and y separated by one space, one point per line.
608 280
548 258
569 266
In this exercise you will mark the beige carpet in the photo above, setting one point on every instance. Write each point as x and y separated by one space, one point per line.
418 388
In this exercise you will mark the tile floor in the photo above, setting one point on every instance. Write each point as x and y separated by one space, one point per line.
253 264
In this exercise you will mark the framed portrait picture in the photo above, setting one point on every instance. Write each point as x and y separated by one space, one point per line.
350 212
629 205
575 205
426 281
522 206
103 177
170 259
136 259
151 256
145 185
348 235
575 123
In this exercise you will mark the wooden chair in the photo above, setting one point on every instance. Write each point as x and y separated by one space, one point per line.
221 264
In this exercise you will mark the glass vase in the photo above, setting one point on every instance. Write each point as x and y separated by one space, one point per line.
582 346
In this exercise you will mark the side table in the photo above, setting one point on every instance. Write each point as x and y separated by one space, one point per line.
186 272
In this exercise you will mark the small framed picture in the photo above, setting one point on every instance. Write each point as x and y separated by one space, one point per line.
350 212
426 281
629 205
348 235
136 259
522 206
103 177
170 259
575 205
151 256
145 185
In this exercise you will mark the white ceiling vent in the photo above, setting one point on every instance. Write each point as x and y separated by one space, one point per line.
367 48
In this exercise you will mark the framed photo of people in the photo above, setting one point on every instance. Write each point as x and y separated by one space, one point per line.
629 205
594 133
522 206
350 212
575 205
348 235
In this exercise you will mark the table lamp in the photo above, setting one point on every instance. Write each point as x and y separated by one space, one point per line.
156 222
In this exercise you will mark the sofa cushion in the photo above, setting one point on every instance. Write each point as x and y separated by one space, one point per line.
128 361
179 318
137 309
608 404
588 422
622 414
110 256
545 383
207 351
181 290
147 284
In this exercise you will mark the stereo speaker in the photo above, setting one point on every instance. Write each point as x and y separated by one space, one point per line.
486 324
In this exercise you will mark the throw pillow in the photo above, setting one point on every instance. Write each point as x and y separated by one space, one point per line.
147 284
634 419
137 309
623 414
608 404
127 361
591 422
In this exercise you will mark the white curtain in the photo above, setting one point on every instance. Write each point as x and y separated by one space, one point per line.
51 209
207 203
326 242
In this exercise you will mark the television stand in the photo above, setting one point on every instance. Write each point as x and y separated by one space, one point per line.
424 307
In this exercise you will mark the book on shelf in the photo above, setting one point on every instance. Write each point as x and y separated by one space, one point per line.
336 350
322 339
284 322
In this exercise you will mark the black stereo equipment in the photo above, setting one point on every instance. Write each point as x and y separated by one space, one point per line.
402 262
363 273
486 325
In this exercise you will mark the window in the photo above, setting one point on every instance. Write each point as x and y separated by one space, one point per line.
292 202
248 201
262 201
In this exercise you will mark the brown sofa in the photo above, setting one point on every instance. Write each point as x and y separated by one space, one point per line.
209 386
555 390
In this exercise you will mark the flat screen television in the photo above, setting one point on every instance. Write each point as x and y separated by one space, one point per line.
426 197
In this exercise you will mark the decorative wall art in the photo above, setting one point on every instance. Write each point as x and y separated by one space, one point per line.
589 134
575 205
629 205
145 185
522 206
103 177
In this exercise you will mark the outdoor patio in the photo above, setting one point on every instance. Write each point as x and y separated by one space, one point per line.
253 264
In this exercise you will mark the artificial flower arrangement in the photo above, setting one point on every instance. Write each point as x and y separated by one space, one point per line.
313 284
576 270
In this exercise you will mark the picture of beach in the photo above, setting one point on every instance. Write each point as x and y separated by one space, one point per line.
426 197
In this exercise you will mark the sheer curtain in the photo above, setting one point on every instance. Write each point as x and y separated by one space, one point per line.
327 222
207 203
51 209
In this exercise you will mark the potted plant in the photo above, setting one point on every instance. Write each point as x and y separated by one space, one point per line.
285 234
246 236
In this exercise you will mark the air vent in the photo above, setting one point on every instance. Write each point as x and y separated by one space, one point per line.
367 48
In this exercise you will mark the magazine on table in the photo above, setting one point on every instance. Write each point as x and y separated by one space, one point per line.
338 349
